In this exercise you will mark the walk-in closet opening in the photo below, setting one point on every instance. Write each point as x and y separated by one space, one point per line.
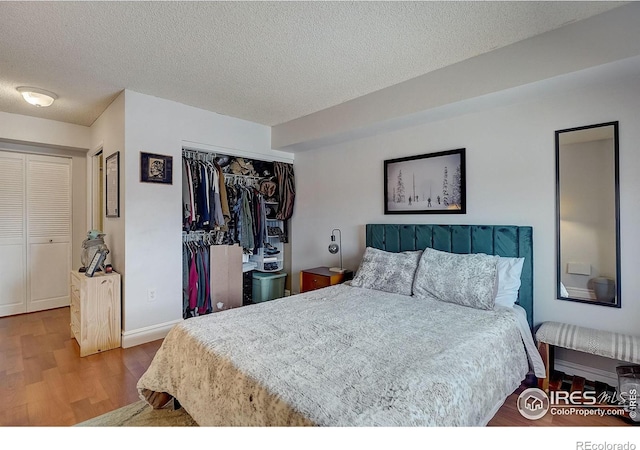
234 230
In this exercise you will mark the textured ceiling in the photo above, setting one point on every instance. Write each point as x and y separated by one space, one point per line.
267 62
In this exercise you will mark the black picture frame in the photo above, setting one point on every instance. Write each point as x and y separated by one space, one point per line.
156 168
432 183
96 262
112 185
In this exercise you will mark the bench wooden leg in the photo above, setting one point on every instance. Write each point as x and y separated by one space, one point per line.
544 350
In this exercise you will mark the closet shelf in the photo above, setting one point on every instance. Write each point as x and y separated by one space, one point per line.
267 261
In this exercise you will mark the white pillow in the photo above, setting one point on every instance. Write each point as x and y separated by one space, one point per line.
509 270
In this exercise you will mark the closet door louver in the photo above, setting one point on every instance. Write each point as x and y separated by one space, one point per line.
49 231
49 197
11 198
13 284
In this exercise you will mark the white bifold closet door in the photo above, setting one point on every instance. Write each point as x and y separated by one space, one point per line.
13 236
35 232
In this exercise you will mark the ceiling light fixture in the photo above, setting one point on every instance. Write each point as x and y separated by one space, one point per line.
37 97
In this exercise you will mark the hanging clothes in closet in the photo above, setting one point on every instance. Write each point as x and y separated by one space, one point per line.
233 199
247 225
196 295
237 207
286 195
204 196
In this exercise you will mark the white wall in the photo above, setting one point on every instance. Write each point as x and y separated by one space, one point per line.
510 180
153 211
33 130
107 133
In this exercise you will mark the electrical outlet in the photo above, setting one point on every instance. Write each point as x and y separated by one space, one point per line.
151 295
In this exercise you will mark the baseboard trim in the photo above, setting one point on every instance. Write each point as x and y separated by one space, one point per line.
588 373
147 334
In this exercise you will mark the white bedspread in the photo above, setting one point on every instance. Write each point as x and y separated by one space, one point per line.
342 356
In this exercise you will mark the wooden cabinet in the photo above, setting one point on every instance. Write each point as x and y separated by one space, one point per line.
95 311
319 277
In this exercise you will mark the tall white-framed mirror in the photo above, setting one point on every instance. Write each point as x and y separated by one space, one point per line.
588 214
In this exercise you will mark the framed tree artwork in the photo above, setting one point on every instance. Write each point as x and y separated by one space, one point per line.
432 183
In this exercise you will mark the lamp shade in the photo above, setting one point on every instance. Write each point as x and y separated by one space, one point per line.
37 97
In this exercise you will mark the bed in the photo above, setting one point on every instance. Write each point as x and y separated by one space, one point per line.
365 353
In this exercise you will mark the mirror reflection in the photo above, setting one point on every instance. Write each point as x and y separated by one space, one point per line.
588 214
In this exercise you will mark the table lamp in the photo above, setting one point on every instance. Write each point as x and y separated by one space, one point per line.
336 248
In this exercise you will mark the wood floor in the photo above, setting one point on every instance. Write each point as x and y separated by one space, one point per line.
44 382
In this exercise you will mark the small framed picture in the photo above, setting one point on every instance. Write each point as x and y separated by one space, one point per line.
112 185
96 263
156 168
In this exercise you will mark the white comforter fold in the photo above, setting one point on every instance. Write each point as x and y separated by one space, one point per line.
342 356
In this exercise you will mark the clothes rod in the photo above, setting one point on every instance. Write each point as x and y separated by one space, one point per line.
234 175
241 154
190 154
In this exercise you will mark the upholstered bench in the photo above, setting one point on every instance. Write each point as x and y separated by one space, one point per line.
623 347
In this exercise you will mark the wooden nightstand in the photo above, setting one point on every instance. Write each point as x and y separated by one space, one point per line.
319 277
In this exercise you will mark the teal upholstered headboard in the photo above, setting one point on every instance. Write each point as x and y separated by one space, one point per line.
501 240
